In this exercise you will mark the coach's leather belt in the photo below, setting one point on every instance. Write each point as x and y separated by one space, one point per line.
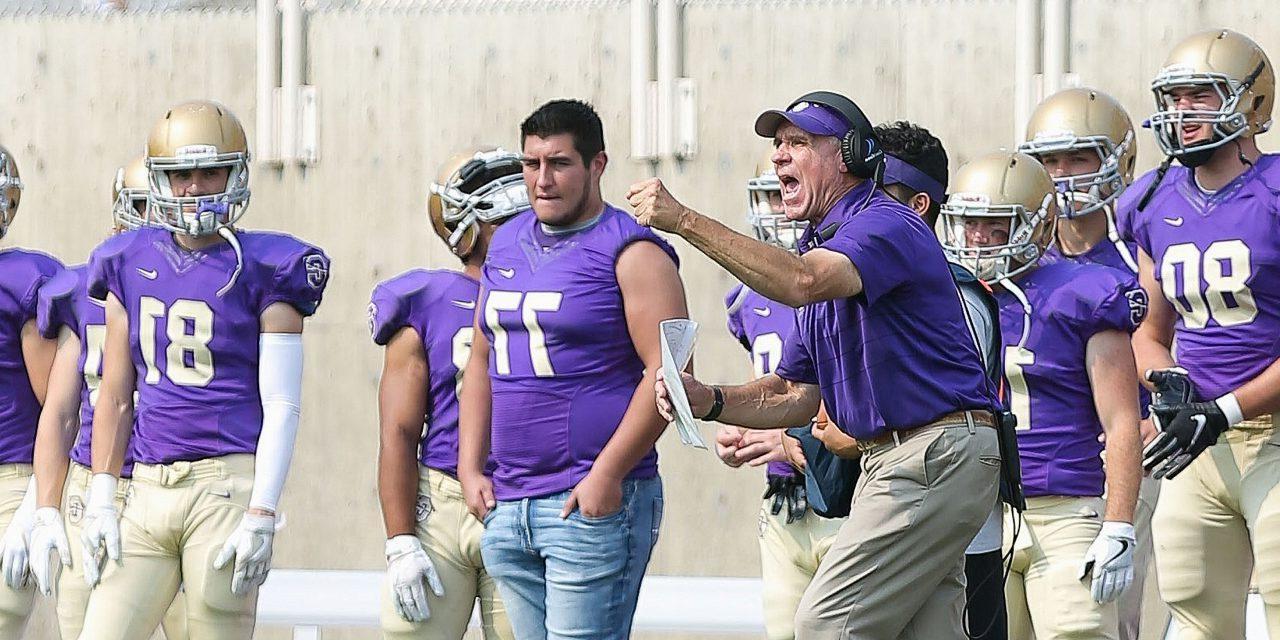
976 417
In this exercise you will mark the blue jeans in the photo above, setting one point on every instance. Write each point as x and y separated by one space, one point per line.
576 577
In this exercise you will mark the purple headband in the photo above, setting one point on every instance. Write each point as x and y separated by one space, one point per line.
896 171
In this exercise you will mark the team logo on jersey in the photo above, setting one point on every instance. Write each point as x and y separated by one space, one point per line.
373 316
1137 305
317 270
423 509
75 509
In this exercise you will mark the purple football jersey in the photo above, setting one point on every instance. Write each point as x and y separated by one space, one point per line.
561 361
1058 426
761 325
194 333
1107 254
897 355
1217 259
440 307
65 302
22 274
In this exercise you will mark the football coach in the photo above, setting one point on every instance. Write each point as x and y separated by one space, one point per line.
882 341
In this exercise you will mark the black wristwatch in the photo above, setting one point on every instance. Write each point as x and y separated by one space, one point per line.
716 406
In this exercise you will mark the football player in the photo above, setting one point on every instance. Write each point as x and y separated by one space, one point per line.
25 360
793 539
1209 257
204 322
66 313
561 376
1065 329
1084 138
425 320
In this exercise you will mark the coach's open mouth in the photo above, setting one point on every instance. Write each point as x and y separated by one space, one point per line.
790 187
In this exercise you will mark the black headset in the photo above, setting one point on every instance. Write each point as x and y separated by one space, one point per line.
859 147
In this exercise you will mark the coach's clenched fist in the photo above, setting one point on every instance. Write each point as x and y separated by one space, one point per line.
656 207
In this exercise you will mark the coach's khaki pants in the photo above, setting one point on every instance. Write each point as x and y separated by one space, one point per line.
896 567
15 606
1044 593
72 594
177 518
789 557
1216 522
451 537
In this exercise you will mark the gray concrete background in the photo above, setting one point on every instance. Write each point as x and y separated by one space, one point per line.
401 90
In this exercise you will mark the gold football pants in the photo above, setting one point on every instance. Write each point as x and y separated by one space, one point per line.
1217 522
451 537
175 522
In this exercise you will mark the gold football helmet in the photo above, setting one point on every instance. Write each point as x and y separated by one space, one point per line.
1237 69
129 195
1002 185
190 136
1087 120
10 190
765 218
483 185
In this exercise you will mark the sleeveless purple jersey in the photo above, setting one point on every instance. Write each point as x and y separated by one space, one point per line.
562 364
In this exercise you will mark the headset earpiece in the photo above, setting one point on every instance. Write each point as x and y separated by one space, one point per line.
859 148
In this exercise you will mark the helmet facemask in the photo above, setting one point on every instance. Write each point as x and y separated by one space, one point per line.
204 214
1227 123
771 226
124 210
10 191
996 262
486 189
1094 191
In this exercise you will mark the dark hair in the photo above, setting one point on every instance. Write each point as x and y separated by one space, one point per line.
914 145
574 117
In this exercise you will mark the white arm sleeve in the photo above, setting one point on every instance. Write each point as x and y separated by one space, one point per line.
280 385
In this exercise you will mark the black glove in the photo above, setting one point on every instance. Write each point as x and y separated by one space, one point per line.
1173 391
788 492
1194 428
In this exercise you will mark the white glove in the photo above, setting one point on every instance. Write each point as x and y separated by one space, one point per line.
250 546
48 535
100 535
13 547
408 567
1110 558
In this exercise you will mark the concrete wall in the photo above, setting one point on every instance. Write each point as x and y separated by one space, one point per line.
401 90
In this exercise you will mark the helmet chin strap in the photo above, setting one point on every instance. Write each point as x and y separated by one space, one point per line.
230 236
1026 309
1113 234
